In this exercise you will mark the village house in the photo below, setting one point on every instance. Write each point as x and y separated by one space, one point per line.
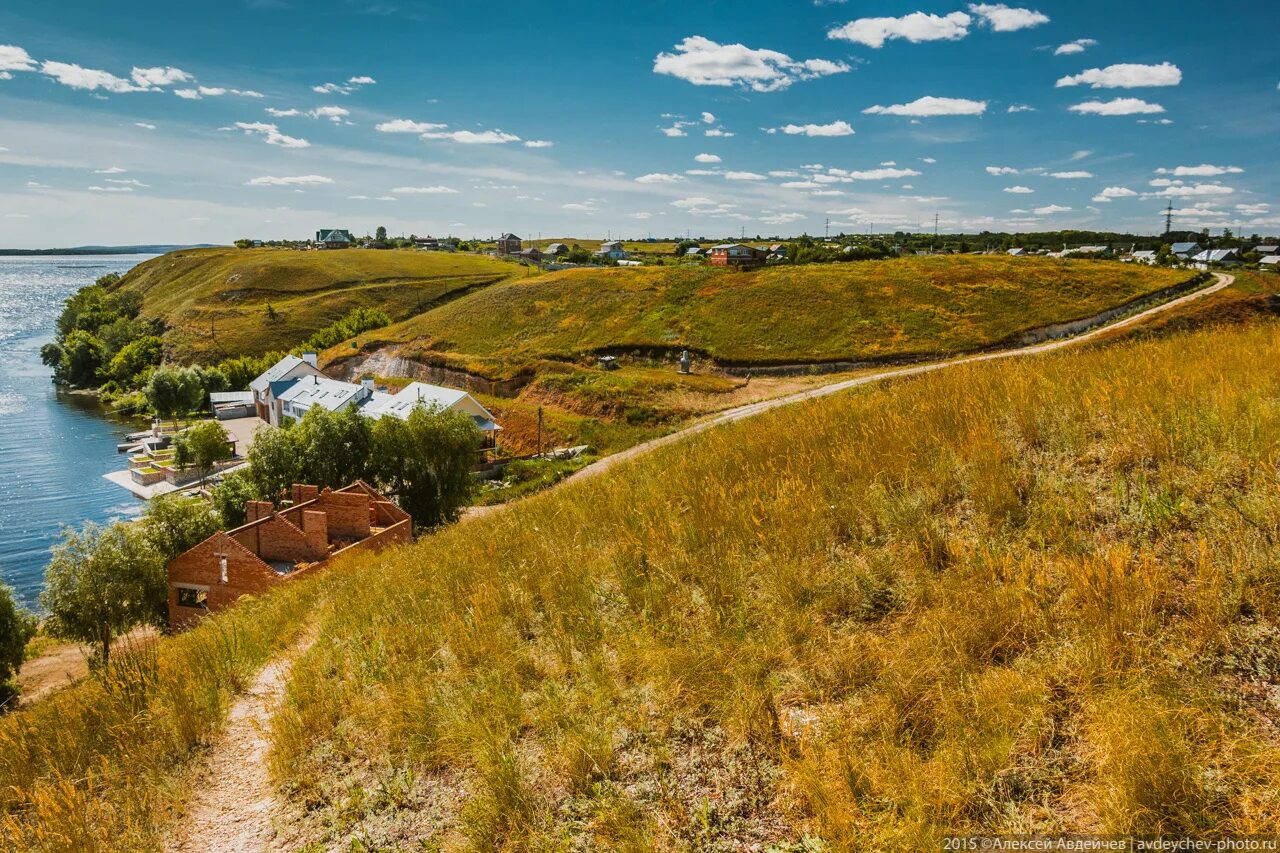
1272 261
416 394
509 244
275 546
531 254
277 379
1225 257
308 392
557 249
1266 250
737 255
334 238
1143 256
612 250
1185 250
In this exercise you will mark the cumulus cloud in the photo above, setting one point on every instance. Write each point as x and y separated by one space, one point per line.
187 94
708 118
1018 189
471 137
271 134
433 190
916 27
279 113
350 86
73 76
659 178
538 143
1204 170
333 114
159 76
703 62
718 131
1177 189
674 131
14 58
874 174
931 106
1125 75
1116 107
745 176
288 181
707 158
1020 108
404 125
835 128
1050 209
1071 47
1071 175
1003 19
1114 192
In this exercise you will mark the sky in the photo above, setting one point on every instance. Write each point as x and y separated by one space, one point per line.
203 122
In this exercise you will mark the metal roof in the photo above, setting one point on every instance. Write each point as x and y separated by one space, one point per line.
274 372
401 405
327 393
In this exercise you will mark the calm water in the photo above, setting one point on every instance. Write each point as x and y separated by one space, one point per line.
54 447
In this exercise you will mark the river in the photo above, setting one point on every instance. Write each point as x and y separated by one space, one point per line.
54 446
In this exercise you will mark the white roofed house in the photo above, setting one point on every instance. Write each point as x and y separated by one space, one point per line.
1143 256
1271 261
415 394
275 380
1226 257
612 250
311 391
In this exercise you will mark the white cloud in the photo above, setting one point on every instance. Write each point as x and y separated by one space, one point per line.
352 84
674 131
745 176
875 174
704 62
1180 190
587 207
1020 108
931 106
784 173
1050 209
1114 192
782 218
1155 121
1003 19
111 189
929 160
404 125
718 131
1081 154
187 94
642 215
888 163
433 190
90 79
915 28
36 185
659 178
144 125
538 143
132 182
278 113
159 76
707 158
701 172
288 181
271 133
801 185
110 170
471 137
1018 189
1117 107
211 91
1253 209
1071 176
14 58
1204 170
361 81
1077 46
835 128
334 114
708 118
1126 75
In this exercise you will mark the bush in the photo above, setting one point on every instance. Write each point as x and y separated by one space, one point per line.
17 627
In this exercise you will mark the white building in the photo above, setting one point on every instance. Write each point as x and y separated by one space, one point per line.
275 380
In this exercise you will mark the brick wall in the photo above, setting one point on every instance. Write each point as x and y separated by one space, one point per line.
275 538
200 567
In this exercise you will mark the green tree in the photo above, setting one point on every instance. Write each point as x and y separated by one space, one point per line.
82 357
175 524
273 462
230 496
381 234
17 627
173 391
103 582
203 446
135 359
333 448
426 462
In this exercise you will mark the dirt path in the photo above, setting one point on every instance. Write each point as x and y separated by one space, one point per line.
233 807
743 412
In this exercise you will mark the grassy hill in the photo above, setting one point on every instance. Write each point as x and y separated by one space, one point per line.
1027 596
215 300
812 313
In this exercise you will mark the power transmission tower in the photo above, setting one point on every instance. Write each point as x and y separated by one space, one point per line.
1168 219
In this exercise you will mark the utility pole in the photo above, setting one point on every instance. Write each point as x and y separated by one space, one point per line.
933 246
1168 219
826 230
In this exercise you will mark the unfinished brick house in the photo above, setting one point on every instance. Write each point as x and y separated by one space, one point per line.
276 546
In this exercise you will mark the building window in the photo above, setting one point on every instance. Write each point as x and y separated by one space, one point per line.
189 596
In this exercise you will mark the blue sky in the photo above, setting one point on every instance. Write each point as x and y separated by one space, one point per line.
207 121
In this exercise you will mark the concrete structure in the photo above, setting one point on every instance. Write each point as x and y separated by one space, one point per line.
509 244
277 379
227 405
737 255
276 546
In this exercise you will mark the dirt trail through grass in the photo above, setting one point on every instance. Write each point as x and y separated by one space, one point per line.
233 806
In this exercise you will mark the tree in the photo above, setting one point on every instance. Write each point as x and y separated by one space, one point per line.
17 627
82 356
102 582
381 234
426 462
273 462
203 446
175 524
333 448
134 359
230 496
172 391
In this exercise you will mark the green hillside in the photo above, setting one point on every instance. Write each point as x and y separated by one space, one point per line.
215 300
786 314
1028 596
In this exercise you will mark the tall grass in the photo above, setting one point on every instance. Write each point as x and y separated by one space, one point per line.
1030 596
100 765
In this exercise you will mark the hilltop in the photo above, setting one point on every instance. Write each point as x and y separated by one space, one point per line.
1029 596
215 301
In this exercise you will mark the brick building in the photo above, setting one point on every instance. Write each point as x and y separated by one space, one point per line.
737 255
275 546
